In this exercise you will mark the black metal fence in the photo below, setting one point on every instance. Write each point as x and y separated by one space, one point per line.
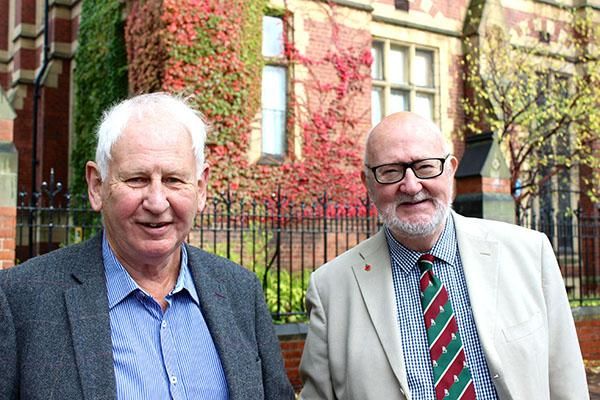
575 238
283 242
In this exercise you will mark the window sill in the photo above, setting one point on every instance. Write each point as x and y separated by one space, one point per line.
271 159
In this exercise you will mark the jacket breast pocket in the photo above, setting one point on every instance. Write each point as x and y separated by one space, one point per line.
523 329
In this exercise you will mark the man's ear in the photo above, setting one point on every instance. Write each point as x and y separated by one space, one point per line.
453 164
94 182
202 183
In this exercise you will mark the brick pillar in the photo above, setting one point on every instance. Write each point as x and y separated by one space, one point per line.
8 185
483 187
587 323
291 340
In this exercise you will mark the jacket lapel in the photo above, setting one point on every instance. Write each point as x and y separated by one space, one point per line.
217 312
480 262
87 308
373 273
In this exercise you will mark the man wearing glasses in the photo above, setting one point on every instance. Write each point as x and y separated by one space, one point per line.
436 305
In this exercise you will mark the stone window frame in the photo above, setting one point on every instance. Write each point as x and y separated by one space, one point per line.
279 61
387 86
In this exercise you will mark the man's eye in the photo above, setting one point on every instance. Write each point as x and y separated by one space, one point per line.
391 170
426 166
173 180
136 181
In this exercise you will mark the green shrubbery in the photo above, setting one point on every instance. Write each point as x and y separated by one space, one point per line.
284 290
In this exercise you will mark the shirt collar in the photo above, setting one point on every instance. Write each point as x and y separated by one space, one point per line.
444 249
120 284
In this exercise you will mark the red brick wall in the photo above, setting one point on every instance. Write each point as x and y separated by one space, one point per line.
3 37
322 39
8 224
8 215
53 132
454 110
22 139
291 348
588 332
25 11
479 184
6 130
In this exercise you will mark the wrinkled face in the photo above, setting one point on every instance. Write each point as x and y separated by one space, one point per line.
151 194
412 207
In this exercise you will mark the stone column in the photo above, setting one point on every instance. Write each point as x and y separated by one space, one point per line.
483 187
8 184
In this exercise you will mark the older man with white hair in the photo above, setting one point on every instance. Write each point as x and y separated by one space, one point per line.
136 313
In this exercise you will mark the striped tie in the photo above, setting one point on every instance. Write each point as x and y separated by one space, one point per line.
450 372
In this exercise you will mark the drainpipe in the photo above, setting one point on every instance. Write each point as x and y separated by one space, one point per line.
36 98
34 134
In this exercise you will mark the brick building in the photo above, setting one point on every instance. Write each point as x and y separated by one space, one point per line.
416 45
31 76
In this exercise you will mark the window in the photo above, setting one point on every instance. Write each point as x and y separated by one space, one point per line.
274 90
403 79
401 5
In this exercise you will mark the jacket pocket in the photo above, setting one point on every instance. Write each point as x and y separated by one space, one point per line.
523 329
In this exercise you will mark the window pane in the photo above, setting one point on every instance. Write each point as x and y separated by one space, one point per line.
376 105
423 68
273 101
272 37
397 65
399 101
424 105
377 66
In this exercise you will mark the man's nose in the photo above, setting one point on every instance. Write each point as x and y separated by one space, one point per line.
155 198
410 185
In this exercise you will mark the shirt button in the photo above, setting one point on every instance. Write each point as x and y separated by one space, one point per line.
173 379
163 324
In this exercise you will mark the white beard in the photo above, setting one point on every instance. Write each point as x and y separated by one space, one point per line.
417 228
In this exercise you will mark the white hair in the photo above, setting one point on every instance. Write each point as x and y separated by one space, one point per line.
115 120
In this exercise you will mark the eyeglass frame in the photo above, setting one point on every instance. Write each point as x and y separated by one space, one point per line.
407 166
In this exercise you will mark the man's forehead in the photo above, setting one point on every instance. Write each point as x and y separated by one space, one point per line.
140 131
404 139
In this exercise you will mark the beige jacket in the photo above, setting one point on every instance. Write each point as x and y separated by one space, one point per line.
353 350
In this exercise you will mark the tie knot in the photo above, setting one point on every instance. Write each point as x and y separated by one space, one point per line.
426 262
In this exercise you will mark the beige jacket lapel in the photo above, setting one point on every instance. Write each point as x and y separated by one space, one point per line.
481 265
374 277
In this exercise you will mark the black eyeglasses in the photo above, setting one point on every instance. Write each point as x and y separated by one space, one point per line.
427 168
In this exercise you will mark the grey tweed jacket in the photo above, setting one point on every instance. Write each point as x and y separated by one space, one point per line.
55 340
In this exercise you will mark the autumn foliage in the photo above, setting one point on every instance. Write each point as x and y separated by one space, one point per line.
543 101
210 51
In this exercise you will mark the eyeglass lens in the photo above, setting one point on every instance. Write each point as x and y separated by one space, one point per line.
423 169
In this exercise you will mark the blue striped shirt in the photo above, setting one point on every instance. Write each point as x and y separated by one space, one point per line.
160 355
448 267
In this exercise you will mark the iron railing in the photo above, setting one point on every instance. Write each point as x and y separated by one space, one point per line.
575 238
283 242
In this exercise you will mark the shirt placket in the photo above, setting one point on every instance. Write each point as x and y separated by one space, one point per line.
168 347
169 352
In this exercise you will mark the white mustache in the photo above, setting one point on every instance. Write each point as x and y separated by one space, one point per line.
421 196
